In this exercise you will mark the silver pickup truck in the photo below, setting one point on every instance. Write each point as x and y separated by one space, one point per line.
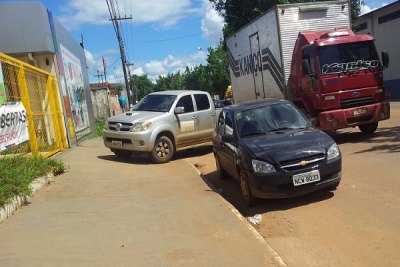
161 123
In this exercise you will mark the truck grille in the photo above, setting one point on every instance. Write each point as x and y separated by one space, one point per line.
123 126
298 163
349 103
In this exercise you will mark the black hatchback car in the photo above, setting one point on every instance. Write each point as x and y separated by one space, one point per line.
273 151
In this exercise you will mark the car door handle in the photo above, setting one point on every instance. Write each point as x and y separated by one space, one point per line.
194 117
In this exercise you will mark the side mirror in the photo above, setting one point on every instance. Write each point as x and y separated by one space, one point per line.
227 138
179 110
385 59
306 67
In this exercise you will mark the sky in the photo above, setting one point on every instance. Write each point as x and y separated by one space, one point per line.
163 36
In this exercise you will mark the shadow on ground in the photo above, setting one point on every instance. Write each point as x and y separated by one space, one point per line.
385 139
229 189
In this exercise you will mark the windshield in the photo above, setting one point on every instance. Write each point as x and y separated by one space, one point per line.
269 119
347 57
156 102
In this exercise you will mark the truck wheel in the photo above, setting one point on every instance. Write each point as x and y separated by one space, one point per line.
221 172
122 153
163 150
369 128
246 192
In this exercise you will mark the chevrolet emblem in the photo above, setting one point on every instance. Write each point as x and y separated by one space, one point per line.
303 163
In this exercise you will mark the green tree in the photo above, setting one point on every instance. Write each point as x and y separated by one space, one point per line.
142 86
218 70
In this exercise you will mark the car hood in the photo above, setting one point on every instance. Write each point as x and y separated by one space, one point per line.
136 116
278 147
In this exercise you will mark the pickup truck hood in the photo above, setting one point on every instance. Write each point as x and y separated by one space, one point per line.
278 147
136 116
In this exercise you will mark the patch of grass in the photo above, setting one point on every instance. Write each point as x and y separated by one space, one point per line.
99 128
16 173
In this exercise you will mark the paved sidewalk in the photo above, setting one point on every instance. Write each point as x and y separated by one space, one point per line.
110 212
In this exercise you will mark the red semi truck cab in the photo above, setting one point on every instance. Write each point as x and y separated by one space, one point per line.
336 78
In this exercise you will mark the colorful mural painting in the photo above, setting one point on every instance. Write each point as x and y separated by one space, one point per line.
75 88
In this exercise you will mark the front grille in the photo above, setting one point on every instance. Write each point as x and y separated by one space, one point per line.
125 126
355 102
295 164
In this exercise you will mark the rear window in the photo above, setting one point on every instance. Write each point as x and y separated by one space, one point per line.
202 101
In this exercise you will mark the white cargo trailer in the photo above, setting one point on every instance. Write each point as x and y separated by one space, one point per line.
260 53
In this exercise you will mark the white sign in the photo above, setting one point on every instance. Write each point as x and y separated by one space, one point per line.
13 125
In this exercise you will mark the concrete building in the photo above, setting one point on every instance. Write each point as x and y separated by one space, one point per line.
384 25
31 33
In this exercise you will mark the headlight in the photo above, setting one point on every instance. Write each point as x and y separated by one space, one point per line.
141 126
333 152
262 167
106 125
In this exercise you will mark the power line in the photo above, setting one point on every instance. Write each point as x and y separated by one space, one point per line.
168 39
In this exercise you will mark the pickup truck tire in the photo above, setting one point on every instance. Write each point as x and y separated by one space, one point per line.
122 153
246 191
369 128
163 150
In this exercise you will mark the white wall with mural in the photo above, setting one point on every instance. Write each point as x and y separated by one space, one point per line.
75 89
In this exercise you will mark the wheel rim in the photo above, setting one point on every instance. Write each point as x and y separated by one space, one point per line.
162 150
244 187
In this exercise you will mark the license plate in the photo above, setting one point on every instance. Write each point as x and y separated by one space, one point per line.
359 111
116 143
306 178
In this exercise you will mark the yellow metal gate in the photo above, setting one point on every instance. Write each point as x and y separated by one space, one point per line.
38 91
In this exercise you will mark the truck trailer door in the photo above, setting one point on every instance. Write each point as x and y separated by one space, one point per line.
256 65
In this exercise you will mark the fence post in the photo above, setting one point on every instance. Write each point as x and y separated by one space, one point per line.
25 100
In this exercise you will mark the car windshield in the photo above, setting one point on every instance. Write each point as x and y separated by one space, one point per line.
156 103
347 57
269 119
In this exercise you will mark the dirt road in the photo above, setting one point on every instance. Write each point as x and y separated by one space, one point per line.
356 225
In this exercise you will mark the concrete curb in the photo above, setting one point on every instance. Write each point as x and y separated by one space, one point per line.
251 228
15 203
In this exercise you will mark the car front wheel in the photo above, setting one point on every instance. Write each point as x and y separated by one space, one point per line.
163 150
246 192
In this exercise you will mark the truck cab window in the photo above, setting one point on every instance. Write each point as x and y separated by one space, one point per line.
202 101
186 102
307 54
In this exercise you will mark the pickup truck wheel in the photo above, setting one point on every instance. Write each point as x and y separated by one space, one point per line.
163 150
122 153
221 172
369 128
246 192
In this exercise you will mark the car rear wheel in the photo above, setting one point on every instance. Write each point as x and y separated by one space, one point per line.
246 192
221 172
369 128
163 150
122 153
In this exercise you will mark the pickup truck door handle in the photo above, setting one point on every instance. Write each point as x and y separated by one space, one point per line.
194 117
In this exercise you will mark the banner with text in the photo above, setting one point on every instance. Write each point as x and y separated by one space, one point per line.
13 125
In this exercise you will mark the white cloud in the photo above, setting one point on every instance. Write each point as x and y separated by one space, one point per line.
211 24
165 13
90 61
366 8
138 71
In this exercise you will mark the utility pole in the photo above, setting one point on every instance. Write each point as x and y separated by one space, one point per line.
115 21
131 85
99 75
107 88
104 70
